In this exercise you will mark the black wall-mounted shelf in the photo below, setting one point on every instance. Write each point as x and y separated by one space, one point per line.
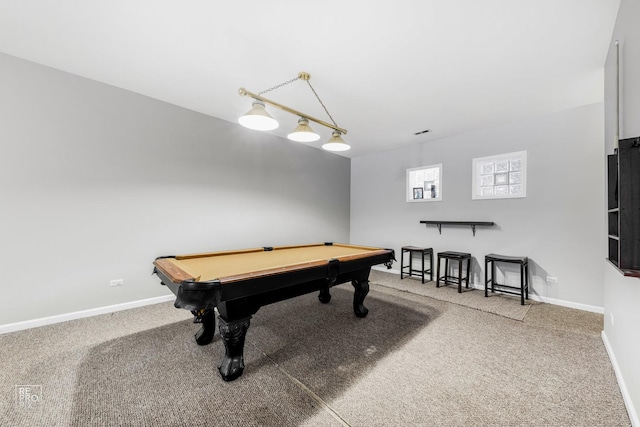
623 207
473 224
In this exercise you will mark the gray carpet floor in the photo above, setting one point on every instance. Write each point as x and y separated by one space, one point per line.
414 360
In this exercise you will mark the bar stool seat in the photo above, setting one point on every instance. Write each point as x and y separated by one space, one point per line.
412 271
523 290
454 256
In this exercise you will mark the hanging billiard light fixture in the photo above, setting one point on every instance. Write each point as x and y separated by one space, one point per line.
259 119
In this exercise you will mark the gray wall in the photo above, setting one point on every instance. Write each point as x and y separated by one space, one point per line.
96 182
558 225
622 294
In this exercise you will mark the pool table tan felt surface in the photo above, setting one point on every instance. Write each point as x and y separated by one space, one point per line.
231 266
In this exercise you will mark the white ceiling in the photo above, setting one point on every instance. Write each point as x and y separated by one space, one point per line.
384 69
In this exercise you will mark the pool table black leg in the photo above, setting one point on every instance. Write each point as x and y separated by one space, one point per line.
208 320
324 295
233 334
361 290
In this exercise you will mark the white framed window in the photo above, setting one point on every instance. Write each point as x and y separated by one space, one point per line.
424 184
499 177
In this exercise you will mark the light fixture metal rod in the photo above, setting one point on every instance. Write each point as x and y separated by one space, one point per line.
243 92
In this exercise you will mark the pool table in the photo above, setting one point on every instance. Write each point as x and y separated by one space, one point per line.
237 283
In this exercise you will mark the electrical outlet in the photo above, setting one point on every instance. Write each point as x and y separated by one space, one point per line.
552 279
116 282
612 320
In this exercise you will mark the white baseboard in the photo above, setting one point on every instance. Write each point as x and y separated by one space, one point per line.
570 304
28 324
554 301
626 397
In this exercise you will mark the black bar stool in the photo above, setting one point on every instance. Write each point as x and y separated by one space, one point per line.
410 270
523 290
454 256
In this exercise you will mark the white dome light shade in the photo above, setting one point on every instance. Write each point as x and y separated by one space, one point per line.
336 143
257 118
303 132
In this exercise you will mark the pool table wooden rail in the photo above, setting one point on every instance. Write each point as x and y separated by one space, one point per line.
177 274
